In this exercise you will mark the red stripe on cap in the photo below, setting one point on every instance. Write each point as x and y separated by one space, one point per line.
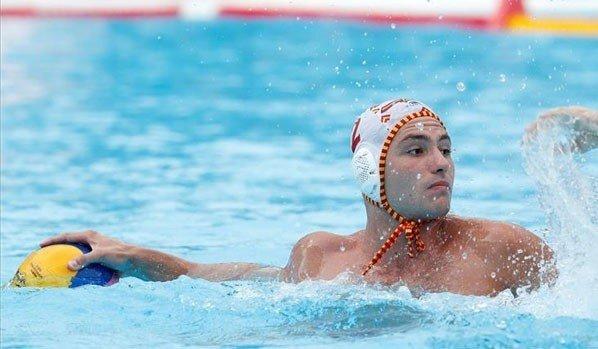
355 138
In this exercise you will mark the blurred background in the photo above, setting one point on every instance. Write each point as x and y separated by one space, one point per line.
219 131
574 16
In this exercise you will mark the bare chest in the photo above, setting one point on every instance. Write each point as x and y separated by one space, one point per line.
449 271
463 273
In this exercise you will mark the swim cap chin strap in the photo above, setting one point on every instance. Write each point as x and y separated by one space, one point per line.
409 227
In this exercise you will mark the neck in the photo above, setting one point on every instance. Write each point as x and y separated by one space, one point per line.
380 225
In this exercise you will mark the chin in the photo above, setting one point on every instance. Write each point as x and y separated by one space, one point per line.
440 209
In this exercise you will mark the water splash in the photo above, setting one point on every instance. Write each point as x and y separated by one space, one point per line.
568 195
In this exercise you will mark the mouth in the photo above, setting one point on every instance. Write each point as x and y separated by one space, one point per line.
440 185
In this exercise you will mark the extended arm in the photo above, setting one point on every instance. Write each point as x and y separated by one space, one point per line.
152 265
583 121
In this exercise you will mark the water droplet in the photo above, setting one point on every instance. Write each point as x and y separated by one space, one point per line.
493 275
502 78
418 176
519 251
523 85
342 248
393 26
420 126
464 255
460 86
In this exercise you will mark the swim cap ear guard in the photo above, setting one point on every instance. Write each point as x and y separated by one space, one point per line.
365 170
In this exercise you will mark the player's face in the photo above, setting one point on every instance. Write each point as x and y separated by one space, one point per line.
420 170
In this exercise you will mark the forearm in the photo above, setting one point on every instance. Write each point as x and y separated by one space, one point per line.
151 265
583 121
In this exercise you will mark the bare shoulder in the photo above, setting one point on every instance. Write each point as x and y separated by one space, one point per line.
322 239
307 256
494 231
511 237
518 256
518 243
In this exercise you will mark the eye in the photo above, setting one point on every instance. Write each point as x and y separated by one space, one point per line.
447 151
415 151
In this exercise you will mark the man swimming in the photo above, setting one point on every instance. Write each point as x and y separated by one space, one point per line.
402 162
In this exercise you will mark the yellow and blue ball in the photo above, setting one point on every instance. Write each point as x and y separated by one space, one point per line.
47 267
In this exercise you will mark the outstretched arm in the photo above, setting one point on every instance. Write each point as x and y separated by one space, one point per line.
152 265
583 121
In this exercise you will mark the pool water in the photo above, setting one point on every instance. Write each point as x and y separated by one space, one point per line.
229 140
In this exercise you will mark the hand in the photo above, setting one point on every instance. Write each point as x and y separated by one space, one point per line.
104 250
583 121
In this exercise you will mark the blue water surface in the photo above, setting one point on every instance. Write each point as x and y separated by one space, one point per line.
229 140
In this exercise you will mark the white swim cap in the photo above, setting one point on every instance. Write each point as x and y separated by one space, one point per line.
372 134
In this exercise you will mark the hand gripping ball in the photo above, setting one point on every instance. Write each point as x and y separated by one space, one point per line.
47 267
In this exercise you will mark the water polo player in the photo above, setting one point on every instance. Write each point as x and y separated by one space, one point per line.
402 162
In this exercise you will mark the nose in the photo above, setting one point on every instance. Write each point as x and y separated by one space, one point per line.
439 162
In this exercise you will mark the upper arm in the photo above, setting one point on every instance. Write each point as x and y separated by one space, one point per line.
524 258
306 259
234 271
304 263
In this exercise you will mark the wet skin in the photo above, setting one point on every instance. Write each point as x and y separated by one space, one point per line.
466 256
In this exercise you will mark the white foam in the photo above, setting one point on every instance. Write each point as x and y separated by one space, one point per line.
568 195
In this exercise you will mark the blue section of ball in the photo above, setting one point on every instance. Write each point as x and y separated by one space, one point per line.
94 273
